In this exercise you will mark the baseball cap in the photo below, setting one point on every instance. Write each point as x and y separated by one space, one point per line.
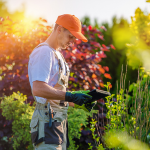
72 24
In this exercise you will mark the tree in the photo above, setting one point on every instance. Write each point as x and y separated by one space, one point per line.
139 46
15 16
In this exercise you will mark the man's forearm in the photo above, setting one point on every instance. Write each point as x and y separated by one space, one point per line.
41 89
71 104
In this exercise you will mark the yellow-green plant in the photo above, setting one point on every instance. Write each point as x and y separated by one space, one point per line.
131 113
138 52
76 119
98 145
120 140
14 108
116 110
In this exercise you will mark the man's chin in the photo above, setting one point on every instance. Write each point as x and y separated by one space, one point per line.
64 47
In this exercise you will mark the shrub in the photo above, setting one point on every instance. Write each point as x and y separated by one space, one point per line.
77 118
139 46
14 108
127 114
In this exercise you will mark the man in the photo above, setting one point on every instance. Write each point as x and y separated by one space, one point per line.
48 76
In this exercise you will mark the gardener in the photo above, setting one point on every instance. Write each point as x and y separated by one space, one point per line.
48 76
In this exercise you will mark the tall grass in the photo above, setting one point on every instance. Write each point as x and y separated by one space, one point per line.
130 110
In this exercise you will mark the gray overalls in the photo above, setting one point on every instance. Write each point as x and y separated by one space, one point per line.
49 120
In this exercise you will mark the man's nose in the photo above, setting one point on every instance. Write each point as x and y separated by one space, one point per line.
70 42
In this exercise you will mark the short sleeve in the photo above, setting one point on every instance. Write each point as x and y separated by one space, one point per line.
41 64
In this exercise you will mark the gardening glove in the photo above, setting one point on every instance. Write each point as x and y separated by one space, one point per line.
77 98
97 94
86 107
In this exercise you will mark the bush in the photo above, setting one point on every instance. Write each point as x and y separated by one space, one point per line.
130 110
14 108
139 107
138 52
127 116
77 118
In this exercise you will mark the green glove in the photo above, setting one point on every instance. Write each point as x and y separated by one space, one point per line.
81 91
77 97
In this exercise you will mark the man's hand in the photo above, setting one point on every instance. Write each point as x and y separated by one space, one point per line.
77 98
97 94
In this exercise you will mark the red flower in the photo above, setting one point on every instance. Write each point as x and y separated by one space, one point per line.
107 75
112 47
90 27
110 86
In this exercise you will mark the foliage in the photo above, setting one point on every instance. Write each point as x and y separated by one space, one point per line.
139 107
120 140
15 47
116 57
128 116
139 45
115 111
14 108
131 112
16 15
83 59
98 146
76 119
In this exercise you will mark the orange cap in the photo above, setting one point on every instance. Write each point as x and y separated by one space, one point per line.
73 24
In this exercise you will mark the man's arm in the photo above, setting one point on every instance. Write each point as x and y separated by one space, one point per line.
42 89
71 104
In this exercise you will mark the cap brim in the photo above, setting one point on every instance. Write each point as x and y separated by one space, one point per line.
79 35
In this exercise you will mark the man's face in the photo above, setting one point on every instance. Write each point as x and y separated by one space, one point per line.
65 38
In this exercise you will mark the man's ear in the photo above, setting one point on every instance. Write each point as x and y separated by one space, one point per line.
59 29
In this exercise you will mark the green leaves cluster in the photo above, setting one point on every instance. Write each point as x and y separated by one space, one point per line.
115 111
99 146
129 114
138 52
139 108
14 108
76 119
120 140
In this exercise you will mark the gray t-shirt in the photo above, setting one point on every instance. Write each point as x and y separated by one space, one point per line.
43 66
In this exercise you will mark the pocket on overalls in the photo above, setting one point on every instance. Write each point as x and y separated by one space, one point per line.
34 127
53 134
60 116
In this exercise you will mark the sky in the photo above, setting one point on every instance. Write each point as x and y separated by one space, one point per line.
102 10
